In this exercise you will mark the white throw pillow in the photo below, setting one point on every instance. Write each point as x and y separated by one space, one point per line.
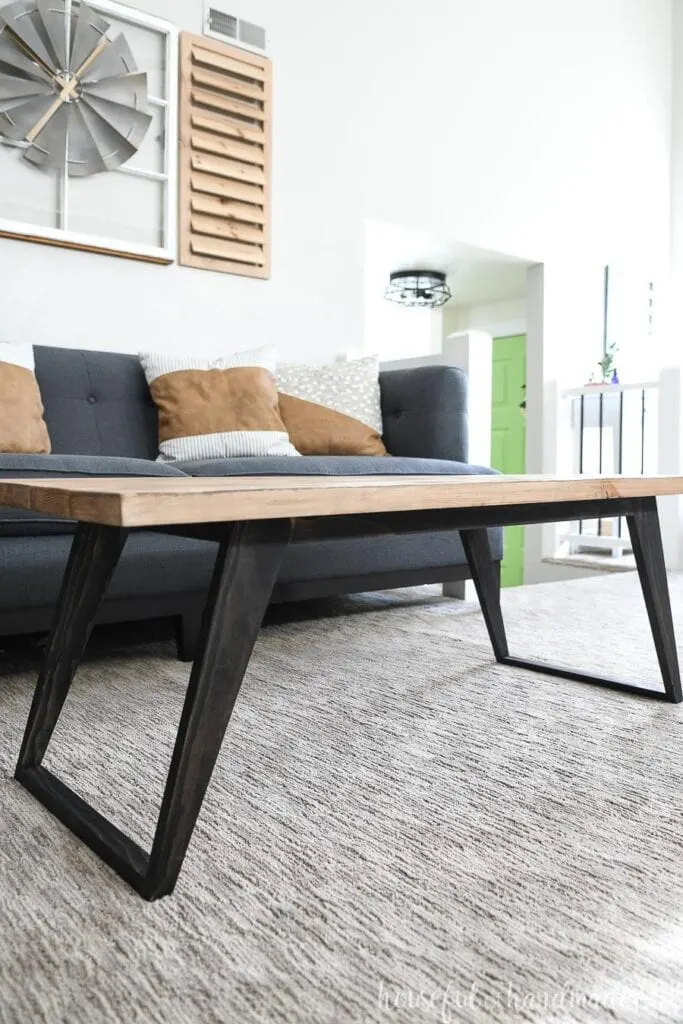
216 407
351 388
157 363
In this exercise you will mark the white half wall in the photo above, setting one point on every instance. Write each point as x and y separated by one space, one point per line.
472 352
547 135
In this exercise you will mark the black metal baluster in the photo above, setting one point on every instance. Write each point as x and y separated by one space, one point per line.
620 454
642 432
601 422
581 438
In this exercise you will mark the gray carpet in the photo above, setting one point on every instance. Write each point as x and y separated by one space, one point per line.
397 829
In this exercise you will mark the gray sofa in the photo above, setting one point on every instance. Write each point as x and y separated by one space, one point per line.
102 421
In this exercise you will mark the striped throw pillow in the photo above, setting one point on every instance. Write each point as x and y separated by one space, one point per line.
216 408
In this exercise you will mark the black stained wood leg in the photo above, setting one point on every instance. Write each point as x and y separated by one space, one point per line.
646 538
486 576
246 569
95 553
643 522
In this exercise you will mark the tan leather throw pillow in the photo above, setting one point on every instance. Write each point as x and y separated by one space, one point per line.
22 427
316 430
216 408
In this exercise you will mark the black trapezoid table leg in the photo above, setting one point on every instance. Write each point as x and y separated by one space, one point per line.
245 574
247 565
487 583
646 538
643 522
95 553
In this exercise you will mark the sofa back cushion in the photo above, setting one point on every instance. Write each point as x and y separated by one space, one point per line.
424 410
96 403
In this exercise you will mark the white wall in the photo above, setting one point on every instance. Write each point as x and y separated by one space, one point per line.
675 295
671 415
399 332
499 319
530 127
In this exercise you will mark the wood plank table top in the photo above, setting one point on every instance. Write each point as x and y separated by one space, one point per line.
168 501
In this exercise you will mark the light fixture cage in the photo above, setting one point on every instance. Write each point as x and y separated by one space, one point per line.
426 288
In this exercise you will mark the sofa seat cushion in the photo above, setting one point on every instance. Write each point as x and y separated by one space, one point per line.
152 565
17 523
155 565
329 465
331 549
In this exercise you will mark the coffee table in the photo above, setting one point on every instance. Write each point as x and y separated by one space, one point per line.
252 518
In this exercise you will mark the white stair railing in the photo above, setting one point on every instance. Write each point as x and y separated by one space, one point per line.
622 429
613 430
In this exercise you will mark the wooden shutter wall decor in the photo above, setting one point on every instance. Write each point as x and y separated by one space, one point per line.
225 138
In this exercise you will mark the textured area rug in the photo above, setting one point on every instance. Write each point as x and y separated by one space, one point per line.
397 830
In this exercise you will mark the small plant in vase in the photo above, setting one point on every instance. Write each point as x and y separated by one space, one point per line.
607 365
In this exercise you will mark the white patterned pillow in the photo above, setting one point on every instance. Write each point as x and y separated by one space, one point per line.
351 388
216 408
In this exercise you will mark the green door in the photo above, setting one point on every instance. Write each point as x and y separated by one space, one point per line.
508 441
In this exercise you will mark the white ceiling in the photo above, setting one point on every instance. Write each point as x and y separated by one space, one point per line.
475 275
482 281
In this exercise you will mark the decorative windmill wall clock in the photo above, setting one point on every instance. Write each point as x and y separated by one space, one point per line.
87 89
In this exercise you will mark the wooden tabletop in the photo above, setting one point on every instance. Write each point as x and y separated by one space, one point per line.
157 501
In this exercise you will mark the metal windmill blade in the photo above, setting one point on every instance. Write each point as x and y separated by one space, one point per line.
25 21
113 147
14 61
26 91
49 145
117 59
18 116
86 34
12 87
22 103
131 125
126 90
85 155
53 16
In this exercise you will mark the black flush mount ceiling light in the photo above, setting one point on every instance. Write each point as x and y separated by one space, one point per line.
418 288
